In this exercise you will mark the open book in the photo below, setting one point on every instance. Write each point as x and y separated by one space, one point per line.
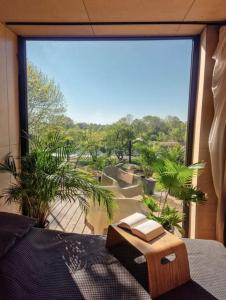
142 227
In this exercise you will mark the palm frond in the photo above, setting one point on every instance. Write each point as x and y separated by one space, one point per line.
74 183
46 174
151 204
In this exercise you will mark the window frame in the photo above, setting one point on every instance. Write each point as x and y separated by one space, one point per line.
194 67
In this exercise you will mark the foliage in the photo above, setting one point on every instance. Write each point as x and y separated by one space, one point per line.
148 155
101 162
46 110
46 175
176 129
174 153
117 139
176 179
152 204
169 217
45 100
94 141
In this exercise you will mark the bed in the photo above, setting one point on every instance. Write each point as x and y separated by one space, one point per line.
46 264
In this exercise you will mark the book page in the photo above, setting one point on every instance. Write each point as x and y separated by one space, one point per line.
133 219
148 227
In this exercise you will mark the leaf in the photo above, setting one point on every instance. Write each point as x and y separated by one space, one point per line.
151 204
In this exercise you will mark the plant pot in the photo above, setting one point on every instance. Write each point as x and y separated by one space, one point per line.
149 185
43 225
169 228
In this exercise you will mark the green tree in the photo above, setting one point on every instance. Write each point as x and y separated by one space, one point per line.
118 139
94 143
176 129
155 125
45 100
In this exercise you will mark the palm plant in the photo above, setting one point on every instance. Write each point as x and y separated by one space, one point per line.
174 153
148 156
176 180
46 175
169 217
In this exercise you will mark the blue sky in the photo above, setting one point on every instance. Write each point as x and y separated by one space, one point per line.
105 80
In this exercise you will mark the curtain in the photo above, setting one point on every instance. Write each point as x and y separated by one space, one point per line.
217 133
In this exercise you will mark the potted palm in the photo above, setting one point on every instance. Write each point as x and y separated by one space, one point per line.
169 217
173 179
148 156
46 174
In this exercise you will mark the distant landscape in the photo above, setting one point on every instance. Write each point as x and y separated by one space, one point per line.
47 113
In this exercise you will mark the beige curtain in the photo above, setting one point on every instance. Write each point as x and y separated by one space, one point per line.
217 133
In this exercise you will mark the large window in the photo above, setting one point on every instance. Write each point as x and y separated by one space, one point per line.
98 84
124 102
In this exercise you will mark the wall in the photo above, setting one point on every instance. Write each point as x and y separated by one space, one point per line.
9 105
203 216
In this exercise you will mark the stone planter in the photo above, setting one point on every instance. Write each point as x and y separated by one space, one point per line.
149 185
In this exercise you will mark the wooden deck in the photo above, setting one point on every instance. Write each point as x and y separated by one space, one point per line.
68 217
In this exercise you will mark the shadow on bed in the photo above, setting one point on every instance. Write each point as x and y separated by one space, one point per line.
190 290
41 264
45 264
90 265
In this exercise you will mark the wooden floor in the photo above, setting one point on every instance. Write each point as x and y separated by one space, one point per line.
68 217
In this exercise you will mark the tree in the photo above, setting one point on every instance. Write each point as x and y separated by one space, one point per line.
119 139
154 125
64 121
94 143
140 128
176 129
45 100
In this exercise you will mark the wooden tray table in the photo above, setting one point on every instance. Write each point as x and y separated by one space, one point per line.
166 258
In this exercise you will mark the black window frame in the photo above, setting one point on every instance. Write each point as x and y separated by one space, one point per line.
194 67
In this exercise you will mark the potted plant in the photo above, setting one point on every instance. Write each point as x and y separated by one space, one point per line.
46 175
173 179
169 217
148 156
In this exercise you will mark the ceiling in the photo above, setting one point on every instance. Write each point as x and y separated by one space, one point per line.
110 11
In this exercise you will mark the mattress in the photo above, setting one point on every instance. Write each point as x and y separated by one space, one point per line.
46 264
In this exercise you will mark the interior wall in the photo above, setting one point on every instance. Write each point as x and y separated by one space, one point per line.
9 106
203 216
